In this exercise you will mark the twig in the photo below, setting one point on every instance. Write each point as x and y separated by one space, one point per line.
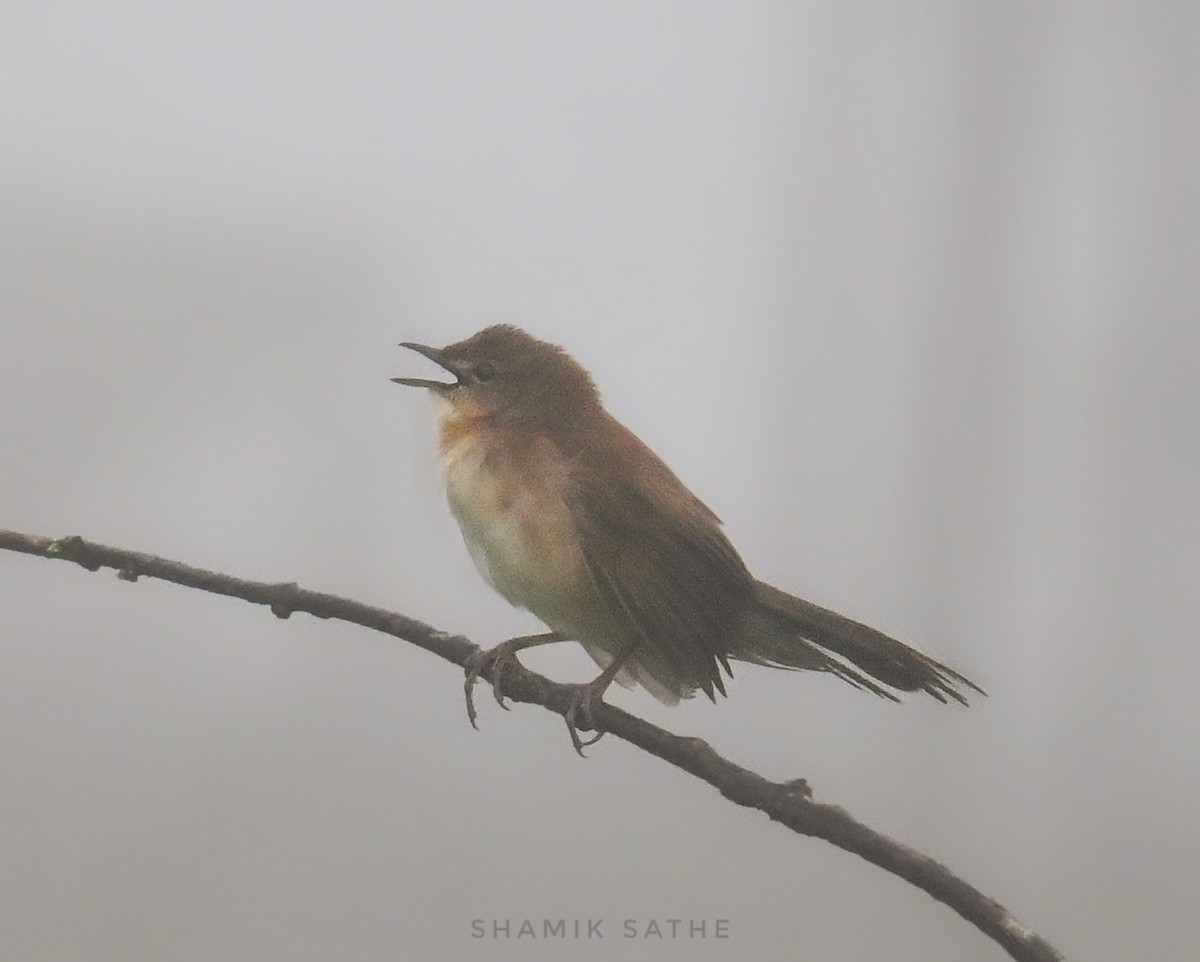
790 803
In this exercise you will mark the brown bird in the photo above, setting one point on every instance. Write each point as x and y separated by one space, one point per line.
567 514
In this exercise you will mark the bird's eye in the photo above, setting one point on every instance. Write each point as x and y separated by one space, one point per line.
484 371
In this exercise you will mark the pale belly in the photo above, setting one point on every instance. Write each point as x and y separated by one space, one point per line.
521 539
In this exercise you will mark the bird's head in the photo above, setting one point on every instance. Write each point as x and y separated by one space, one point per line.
506 372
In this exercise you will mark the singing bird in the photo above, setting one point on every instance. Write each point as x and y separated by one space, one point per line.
566 513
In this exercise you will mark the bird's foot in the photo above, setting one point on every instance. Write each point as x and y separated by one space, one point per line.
581 712
495 661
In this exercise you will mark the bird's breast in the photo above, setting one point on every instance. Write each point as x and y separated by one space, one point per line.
507 495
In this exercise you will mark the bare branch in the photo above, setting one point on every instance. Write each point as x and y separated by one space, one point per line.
790 803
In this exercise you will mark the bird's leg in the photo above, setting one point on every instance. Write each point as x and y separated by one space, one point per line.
583 701
497 660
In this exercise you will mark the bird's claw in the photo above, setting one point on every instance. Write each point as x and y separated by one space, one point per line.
581 707
497 660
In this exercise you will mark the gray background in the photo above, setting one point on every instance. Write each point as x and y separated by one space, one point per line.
904 291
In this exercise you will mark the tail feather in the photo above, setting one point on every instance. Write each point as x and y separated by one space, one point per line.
788 632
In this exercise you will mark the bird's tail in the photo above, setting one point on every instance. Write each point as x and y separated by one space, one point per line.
788 632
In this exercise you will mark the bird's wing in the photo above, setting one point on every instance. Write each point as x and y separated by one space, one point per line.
668 578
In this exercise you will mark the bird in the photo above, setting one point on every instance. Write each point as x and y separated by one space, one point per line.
568 514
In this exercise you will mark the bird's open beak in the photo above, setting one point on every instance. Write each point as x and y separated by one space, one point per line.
436 355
